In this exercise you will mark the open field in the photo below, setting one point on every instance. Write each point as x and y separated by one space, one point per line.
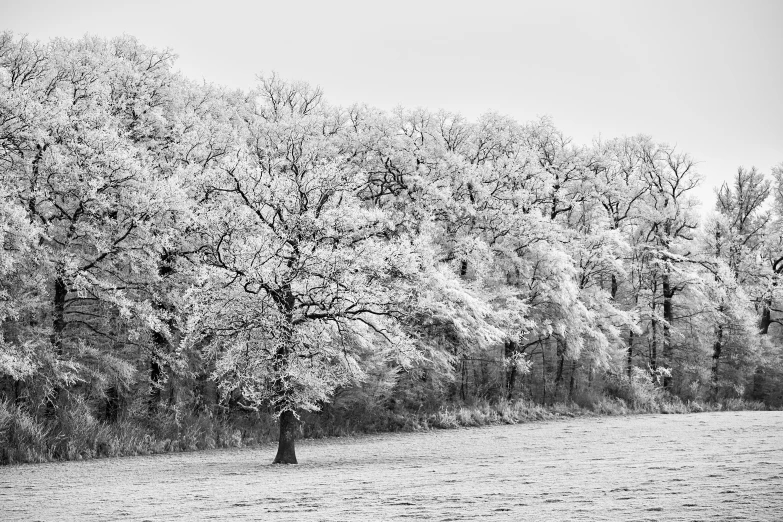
711 466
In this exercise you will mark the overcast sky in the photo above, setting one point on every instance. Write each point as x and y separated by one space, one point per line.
705 75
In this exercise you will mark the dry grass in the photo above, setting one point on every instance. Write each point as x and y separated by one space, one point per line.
75 434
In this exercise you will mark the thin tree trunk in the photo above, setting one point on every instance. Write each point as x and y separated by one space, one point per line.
454 389
717 348
58 324
654 349
629 365
559 375
56 339
766 317
543 374
156 372
463 378
172 391
572 382
668 293
560 362
511 372
18 397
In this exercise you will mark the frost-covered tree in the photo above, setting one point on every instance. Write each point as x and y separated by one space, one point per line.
737 241
299 272
80 119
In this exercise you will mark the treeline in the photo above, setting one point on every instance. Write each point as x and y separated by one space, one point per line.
181 256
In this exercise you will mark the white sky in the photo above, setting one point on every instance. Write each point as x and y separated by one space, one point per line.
706 75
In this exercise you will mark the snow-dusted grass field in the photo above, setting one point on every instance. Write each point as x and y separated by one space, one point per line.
710 466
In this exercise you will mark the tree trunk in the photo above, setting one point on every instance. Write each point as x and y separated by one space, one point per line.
463 268
757 393
716 351
112 404
286 450
56 339
572 382
766 317
511 372
155 374
555 200
559 375
160 343
629 366
654 348
543 374
172 391
58 324
464 378
668 293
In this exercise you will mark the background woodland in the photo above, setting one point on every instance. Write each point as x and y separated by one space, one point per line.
185 266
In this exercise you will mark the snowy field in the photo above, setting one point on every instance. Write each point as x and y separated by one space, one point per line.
717 466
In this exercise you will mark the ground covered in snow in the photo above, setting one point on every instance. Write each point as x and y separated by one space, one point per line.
710 466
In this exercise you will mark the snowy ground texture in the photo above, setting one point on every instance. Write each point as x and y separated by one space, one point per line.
710 466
